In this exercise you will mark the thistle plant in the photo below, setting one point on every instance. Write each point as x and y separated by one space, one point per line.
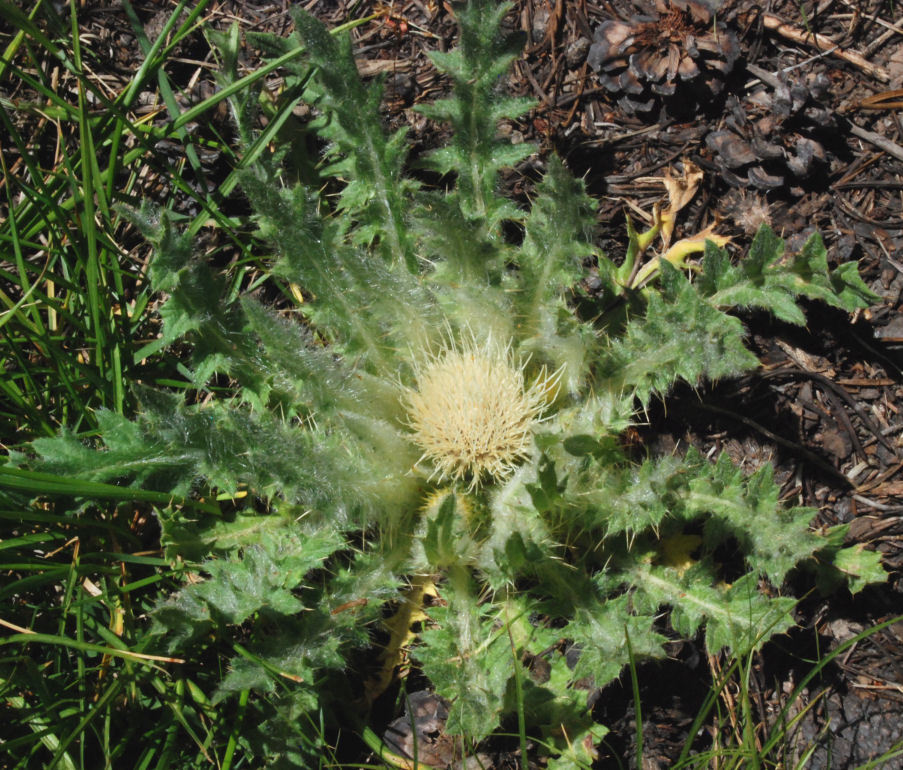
438 405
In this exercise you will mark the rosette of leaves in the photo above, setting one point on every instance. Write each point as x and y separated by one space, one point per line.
672 53
433 411
775 137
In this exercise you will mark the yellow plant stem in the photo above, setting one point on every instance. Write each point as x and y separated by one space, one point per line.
400 633
677 255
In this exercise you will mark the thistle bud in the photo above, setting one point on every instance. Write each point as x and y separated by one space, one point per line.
472 413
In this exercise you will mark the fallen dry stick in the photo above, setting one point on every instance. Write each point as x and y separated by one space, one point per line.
797 35
881 142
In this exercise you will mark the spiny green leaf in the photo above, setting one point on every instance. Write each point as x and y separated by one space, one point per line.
681 336
861 566
264 578
193 539
341 279
834 564
465 655
456 244
557 238
197 308
474 109
175 446
559 711
599 630
773 538
765 279
305 371
749 284
377 190
738 617
626 498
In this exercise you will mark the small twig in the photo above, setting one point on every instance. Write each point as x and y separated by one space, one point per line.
896 29
886 100
14 627
891 148
537 88
768 78
830 386
857 167
891 29
876 505
801 37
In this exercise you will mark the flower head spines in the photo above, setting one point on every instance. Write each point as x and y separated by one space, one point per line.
471 412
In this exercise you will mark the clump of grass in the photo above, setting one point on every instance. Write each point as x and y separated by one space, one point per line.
746 738
78 328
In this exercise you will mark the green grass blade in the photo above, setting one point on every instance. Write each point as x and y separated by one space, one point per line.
41 726
83 646
777 735
37 483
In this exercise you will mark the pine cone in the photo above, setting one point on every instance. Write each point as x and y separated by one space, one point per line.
674 51
773 138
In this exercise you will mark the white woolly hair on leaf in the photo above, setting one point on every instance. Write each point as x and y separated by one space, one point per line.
471 411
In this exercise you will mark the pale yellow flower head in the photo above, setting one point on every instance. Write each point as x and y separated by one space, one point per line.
471 412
